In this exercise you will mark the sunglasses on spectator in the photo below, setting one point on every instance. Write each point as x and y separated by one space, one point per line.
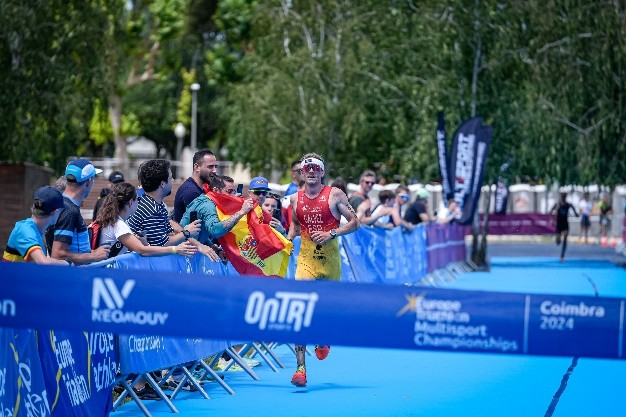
368 182
231 191
311 167
404 196
259 192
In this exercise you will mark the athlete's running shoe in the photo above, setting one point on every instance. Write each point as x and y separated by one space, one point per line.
322 351
299 377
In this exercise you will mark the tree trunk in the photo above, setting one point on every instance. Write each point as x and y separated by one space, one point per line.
121 153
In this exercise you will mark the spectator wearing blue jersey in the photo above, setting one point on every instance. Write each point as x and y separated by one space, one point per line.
152 217
26 241
71 239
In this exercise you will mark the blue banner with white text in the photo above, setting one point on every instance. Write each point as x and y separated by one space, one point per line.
79 368
302 312
387 256
22 389
145 353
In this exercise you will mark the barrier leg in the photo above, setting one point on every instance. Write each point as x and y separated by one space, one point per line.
265 358
129 391
270 352
217 378
239 360
160 392
192 381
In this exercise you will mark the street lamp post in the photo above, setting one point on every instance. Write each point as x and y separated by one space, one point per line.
179 132
194 112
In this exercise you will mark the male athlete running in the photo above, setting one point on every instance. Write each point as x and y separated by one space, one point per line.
316 213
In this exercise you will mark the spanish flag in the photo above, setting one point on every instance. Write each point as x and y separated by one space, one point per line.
252 246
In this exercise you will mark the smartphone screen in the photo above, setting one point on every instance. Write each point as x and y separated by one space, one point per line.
193 216
239 189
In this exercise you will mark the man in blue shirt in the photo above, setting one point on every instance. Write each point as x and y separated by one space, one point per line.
71 239
296 177
26 242
204 165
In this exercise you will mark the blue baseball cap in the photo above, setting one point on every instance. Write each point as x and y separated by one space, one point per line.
259 183
80 170
48 199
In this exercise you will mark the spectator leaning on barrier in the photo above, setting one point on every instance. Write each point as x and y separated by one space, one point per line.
151 216
26 241
382 212
114 178
448 214
402 197
118 206
71 238
210 225
417 212
204 165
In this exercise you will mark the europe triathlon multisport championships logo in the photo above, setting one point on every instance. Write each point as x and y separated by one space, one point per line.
285 311
106 292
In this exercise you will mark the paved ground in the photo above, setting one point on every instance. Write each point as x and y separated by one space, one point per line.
546 247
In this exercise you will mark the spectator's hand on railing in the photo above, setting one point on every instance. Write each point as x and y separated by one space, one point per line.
187 249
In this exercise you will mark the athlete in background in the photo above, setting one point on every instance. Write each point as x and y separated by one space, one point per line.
317 210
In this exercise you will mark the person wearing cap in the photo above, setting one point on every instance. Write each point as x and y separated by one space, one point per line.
26 241
258 189
204 166
116 177
317 210
418 211
71 238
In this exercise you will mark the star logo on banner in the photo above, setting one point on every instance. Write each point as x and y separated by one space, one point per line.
412 301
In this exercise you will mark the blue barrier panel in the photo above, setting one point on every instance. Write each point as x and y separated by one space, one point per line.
386 256
22 389
79 371
140 354
305 312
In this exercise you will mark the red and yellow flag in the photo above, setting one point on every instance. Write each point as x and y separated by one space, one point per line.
252 246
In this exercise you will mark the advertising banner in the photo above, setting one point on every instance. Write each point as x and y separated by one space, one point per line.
79 369
145 353
442 156
521 224
470 146
22 389
301 312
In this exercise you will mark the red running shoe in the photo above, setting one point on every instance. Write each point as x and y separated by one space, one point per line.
299 377
322 351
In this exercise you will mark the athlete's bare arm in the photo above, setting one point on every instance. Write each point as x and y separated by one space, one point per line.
294 227
339 201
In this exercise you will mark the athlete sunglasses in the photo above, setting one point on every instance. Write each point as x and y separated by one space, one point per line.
259 192
311 167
